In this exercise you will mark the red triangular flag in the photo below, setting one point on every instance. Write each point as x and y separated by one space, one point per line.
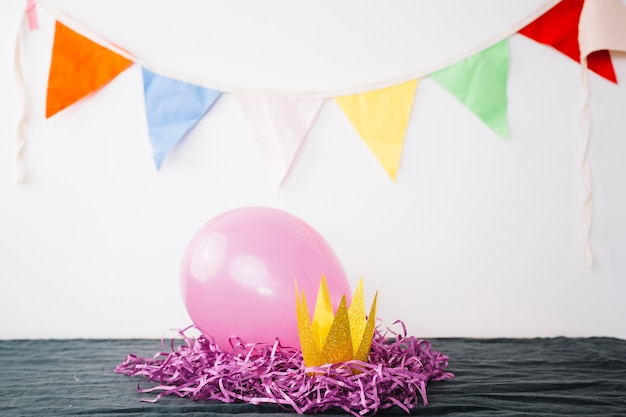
558 27
79 66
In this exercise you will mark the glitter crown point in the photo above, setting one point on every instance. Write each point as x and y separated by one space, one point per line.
335 337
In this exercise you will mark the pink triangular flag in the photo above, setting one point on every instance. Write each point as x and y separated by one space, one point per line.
279 125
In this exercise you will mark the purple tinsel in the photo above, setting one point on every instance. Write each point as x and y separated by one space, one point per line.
396 375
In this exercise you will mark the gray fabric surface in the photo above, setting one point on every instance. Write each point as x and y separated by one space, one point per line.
494 377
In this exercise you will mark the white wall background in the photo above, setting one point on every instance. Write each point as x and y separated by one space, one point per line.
477 237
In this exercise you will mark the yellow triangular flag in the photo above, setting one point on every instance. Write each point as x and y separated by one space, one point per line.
381 118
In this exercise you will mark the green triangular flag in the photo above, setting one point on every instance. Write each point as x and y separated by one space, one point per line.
480 83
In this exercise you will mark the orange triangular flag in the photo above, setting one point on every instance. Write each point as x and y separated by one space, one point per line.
79 66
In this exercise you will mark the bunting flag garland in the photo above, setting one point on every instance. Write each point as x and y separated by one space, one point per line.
480 83
602 29
79 67
381 118
558 27
583 30
280 125
172 108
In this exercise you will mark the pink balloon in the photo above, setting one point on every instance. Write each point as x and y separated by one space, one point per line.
238 275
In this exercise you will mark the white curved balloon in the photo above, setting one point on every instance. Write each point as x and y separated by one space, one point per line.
305 48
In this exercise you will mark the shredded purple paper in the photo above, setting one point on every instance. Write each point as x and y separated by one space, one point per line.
396 375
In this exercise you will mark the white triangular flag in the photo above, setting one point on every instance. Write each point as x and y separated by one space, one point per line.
279 125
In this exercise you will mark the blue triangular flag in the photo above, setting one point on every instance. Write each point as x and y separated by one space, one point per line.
172 108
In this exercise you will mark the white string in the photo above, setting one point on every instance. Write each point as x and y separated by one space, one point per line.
21 92
585 214
376 85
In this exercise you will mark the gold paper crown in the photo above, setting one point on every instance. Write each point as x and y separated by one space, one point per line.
331 338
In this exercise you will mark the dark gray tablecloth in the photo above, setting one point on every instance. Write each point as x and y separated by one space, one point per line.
494 377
